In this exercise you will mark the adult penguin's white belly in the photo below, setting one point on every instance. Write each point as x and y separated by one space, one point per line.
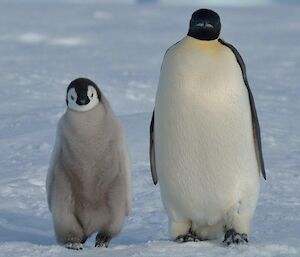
204 144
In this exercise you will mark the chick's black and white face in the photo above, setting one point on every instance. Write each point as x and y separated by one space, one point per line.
82 98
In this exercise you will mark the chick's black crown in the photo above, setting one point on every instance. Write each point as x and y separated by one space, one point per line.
205 24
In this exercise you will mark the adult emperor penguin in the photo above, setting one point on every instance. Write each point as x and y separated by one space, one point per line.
88 182
205 145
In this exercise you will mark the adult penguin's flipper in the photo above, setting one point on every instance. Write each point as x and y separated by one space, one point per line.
255 123
152 152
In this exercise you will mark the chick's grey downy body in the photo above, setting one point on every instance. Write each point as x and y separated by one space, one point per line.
89 176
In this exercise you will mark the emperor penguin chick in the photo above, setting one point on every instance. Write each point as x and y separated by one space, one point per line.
88 181
205 145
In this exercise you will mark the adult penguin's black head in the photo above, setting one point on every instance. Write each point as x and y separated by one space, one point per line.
205 25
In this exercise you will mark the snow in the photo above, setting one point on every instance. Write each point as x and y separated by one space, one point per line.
36 38
43 46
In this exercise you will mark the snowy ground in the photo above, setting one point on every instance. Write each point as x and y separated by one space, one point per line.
43 46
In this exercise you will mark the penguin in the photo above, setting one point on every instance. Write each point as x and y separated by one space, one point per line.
205 143
88 181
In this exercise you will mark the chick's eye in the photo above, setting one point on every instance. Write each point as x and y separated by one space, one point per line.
92 94
72 97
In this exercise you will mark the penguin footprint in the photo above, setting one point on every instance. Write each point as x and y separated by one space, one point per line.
232 237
